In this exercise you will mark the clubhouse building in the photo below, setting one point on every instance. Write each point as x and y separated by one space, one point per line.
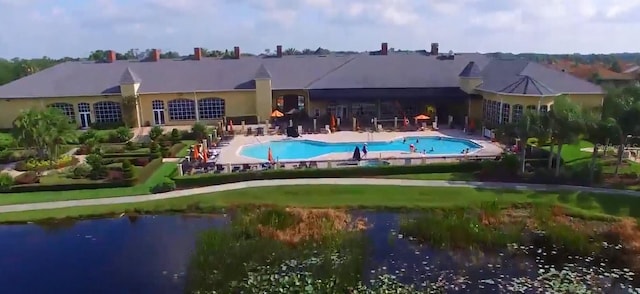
383 84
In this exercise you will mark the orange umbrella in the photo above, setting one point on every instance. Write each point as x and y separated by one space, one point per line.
405 121
422 116
205 154
270 156
196 151
277 113
333 121
472 124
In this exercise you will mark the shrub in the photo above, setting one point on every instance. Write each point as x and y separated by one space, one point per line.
164 150
123 134
186 135
199 131
6 181
155 132
106 125
29 177
115 176
141 161
154 147
165 186
97 166
127 170
81 171
113 149
216 179
8 156
42 165
66 187
131 146
88 135
175 137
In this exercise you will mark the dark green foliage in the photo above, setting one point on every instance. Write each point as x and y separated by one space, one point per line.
127 170
155 133
175 137
165 186
199 131
6 181
98 169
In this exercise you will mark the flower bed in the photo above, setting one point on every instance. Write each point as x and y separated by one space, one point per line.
42 165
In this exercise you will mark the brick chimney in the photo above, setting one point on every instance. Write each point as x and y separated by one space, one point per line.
155 55
197 53
111 56
434 48
279 50
236 52
384 50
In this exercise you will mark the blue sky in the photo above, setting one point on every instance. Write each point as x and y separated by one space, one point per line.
56 28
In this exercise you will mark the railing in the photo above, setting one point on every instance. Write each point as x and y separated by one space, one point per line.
188 167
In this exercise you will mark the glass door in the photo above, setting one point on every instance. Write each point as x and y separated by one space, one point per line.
158 117
85 119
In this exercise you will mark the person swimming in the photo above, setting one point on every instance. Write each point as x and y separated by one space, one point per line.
404 140
431 150
417 141
364 150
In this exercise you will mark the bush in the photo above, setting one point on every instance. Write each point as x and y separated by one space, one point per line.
141 161
217 179
66 187
186 135
88 135
113 149
199 131
6 181
106 125
127 170
98 169
155 132
29 177
123 134
164 150
175 137
81 171
165 186
42 165
130 146
154 147
8 156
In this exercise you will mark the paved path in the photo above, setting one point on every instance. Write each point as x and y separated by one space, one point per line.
324 181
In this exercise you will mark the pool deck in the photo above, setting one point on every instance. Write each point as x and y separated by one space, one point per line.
230 154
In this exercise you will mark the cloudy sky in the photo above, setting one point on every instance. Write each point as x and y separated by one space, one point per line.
56 28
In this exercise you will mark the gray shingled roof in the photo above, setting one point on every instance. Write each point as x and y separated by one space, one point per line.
396 70
470 71
129 77
526 85
501 73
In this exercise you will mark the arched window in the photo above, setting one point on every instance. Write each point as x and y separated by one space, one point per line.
517 112
531 108
84 107
108 111
157 104
182 109
506 111
544 109
211 108
66 109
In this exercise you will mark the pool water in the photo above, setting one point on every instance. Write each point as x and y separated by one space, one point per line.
295 149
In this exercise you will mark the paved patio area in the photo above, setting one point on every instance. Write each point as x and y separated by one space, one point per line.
230 154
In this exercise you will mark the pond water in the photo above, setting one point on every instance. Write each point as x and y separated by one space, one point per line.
150 254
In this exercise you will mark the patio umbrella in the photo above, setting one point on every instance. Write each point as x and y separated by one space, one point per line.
421 117
405 122
270 156
230 126
277 113
332 123
356 154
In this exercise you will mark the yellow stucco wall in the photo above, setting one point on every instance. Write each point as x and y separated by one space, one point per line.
468 85
263 99
12 107
475 109
237 103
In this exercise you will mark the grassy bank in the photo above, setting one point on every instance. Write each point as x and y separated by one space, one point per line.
33 197
375 197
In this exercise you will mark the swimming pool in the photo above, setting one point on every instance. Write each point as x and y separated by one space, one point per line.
307 149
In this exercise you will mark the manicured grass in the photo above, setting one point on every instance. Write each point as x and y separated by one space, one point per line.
185 151
572 153
163 171
435 176
57 178
376 197
6 139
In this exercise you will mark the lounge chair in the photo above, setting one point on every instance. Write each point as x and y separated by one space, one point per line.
303 164
235 169
219 169
260 132
249 131
313 164
246 167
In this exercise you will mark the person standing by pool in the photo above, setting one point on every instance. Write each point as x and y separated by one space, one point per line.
364 150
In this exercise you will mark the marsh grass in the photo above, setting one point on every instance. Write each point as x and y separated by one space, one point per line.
273 243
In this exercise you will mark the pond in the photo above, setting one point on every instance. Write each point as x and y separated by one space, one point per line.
152 254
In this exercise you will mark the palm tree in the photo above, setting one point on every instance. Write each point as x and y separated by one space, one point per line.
599 131
567 120
61 130
44 131
622 105
528 126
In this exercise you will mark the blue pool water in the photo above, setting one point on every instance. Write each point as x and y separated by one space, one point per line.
296 149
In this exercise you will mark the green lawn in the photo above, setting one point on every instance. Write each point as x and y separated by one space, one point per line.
572 153
185 151
32 197
376 197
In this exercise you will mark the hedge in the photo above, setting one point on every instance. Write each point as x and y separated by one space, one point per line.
147 171
126 154
185 182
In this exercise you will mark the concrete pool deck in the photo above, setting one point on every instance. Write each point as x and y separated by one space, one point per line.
230 154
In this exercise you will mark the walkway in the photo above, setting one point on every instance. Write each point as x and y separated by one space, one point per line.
325 181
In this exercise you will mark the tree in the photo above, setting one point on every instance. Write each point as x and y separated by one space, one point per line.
528 126
615 66
598 132
291 51
623 106
44 131
567 119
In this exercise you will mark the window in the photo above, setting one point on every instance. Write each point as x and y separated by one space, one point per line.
157 104
66 109
506 111
84 107
544 109
182 109
531 108
517 112
301 103
108 111
280 102
211 108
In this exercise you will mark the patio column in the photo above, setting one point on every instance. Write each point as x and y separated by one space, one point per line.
195 99
378 104
500 112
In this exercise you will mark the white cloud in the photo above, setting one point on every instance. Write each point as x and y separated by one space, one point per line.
61 28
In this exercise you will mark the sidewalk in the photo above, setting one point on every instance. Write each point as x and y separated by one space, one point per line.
323 181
